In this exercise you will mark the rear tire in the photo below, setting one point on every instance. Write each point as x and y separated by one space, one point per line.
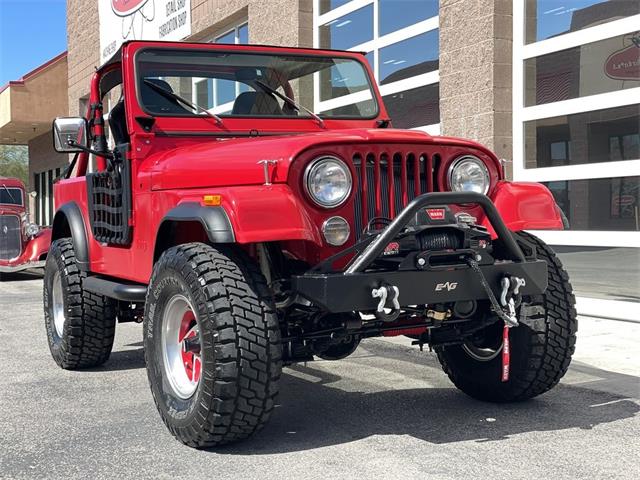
80 325
541 348
228 391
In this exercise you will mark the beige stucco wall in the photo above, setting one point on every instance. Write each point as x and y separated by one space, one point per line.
475 72
274 22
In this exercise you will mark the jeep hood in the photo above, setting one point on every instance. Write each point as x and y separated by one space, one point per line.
236 161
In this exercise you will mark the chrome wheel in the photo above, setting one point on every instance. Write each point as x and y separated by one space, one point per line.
486 345
482 354
181 346
57 302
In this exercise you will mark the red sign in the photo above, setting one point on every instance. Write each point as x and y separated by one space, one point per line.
392 249
435 213
123 8
624 64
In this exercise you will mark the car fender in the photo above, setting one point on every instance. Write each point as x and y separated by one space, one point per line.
526 206
68 221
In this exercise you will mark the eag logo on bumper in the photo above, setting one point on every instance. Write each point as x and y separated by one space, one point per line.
448 286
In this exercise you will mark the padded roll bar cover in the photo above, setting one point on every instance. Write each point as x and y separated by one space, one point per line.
70 214
214 220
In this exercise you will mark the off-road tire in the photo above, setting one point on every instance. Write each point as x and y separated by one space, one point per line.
541 348
240 344
89 318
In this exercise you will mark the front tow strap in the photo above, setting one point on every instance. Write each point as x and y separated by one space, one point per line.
505 310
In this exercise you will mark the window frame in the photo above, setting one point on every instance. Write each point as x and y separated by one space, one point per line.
608 100
378 42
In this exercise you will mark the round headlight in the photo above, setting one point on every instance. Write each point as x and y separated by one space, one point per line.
336 231
328 181
469 174
32 229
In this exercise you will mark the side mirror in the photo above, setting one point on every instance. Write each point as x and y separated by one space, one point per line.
70 134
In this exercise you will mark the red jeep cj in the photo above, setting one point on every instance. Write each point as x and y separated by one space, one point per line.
257 209
23 244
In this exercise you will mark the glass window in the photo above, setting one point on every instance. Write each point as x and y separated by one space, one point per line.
243 34
598 67
396 14
598 136
162 72
343 78
414 108
599 204
408 58
348 31
10 195
327 5
549 18
227 37
603 272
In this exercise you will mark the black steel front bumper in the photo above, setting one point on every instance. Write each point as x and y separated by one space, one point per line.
350 290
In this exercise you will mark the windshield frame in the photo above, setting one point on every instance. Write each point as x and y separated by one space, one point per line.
353 56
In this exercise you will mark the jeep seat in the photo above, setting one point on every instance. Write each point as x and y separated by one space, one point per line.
118 123
156 102
256 103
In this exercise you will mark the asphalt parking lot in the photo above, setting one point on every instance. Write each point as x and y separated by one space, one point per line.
386 412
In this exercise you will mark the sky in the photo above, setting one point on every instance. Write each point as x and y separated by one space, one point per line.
31 33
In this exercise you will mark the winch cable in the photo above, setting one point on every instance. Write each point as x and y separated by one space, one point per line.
495 306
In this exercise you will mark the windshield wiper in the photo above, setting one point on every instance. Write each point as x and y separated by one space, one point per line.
184 101
290 101
10 194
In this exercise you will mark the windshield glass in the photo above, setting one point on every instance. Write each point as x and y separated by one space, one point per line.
236 84
10 195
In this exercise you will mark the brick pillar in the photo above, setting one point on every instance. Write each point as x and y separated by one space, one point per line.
475 72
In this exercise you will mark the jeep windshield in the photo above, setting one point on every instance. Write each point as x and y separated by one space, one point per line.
250 84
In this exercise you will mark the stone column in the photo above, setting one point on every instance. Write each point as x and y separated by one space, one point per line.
476 72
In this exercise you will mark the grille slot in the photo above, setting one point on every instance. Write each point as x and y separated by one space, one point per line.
386 183
10 237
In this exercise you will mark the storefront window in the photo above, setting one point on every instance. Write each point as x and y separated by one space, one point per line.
607 135
348 31
396 14
600 203
550 18
605 66
414 56
414 108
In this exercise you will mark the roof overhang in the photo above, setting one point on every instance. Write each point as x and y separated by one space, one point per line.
29 105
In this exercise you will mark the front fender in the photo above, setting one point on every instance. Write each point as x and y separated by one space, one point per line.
526 206
269 213
33 253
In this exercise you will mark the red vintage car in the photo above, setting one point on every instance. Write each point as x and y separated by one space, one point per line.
257 208
23 244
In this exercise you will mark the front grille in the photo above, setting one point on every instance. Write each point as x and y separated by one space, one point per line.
386 183
10 237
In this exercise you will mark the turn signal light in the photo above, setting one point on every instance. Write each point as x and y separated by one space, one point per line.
212 200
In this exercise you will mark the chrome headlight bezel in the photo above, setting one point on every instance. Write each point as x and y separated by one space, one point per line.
31 229
469 159
313 167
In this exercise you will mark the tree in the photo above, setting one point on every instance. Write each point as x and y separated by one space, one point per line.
14 162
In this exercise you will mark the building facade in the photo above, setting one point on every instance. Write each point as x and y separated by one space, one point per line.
27 108
551 86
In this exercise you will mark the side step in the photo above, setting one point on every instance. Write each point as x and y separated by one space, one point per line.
127 292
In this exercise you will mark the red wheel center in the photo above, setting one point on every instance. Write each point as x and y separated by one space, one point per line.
191 360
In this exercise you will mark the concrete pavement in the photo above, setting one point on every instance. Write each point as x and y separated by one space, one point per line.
387 412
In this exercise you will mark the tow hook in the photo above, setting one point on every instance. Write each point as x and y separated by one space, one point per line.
384 293
509 294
